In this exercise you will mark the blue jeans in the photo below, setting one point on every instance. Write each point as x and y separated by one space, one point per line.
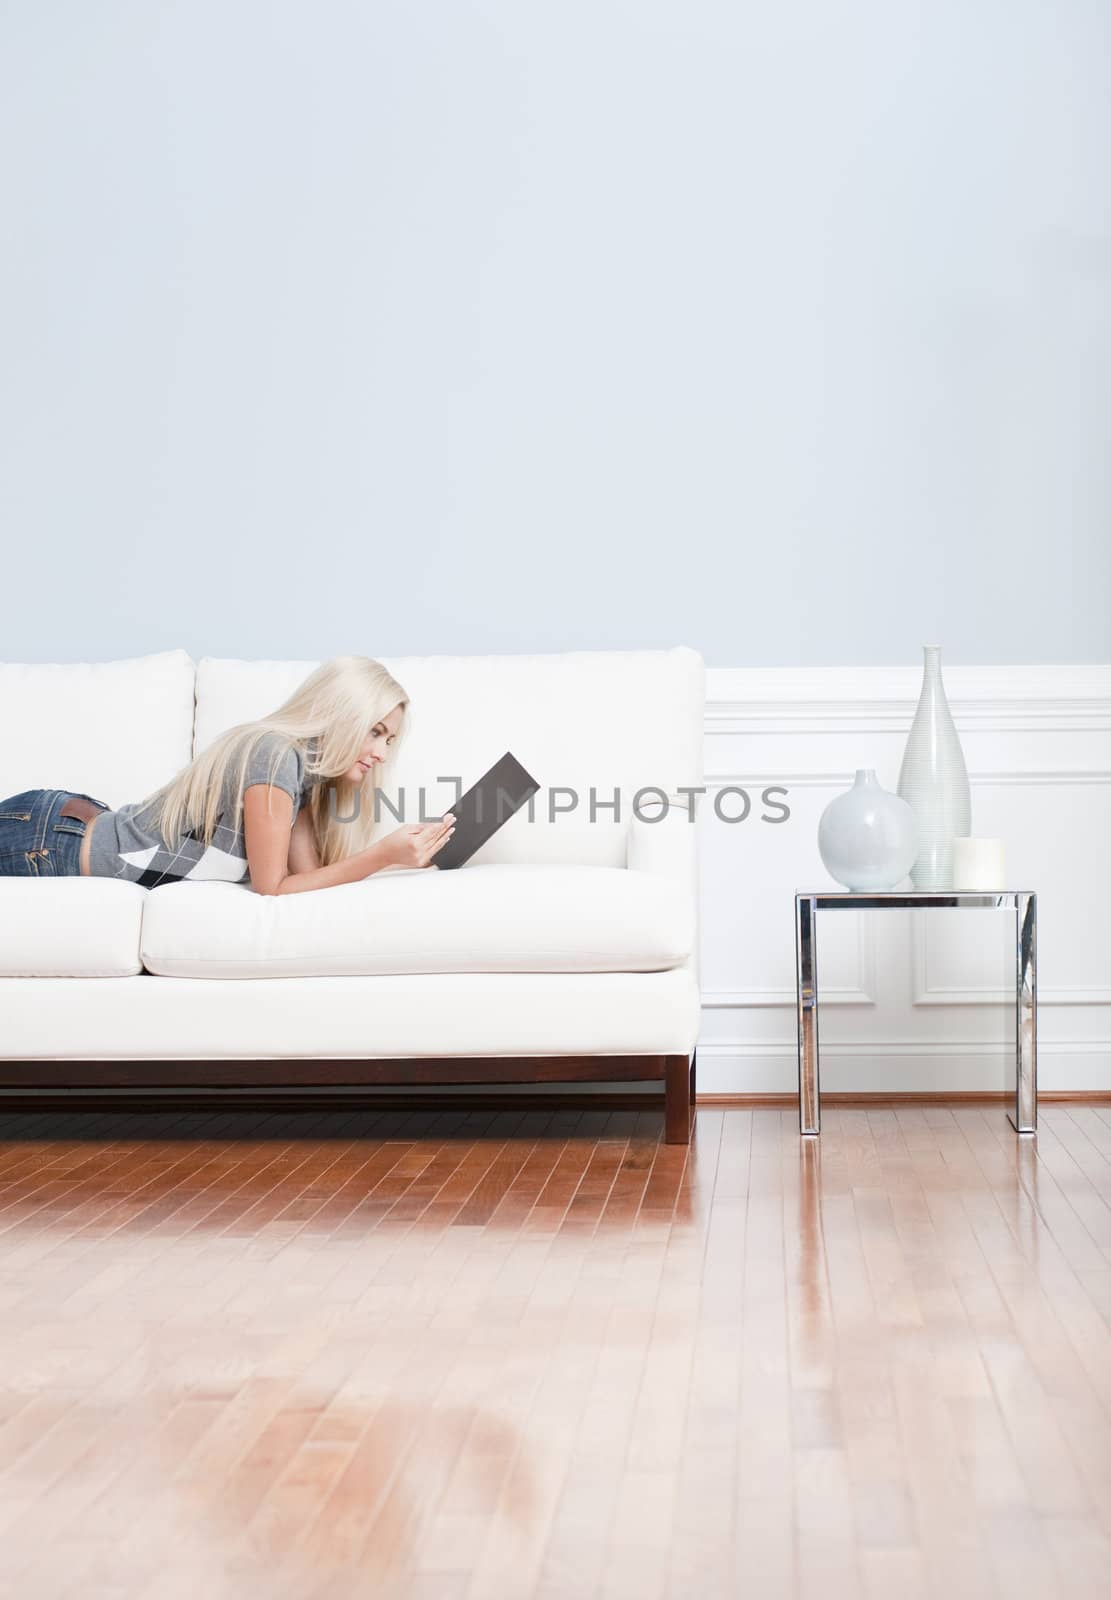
35 842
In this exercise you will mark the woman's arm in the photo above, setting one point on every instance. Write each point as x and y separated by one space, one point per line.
302 847
270 848
280 865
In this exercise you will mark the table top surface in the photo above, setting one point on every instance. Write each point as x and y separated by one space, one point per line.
914 897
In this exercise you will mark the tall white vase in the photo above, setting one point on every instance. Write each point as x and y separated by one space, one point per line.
933 780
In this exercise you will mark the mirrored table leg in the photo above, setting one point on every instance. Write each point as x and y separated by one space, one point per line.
806 973
1025 1116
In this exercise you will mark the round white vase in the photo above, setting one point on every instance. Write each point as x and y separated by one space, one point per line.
866 836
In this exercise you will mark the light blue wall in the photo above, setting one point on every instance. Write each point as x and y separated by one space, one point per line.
781 330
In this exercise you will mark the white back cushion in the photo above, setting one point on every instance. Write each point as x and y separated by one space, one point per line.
112 729
608 718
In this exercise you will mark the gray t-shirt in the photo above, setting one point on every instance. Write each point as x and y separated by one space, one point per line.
126 845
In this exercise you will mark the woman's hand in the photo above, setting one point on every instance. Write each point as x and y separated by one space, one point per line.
416 843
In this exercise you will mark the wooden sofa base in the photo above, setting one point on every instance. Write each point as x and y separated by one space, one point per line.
677 1074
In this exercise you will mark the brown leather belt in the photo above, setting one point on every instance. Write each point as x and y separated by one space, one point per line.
78 806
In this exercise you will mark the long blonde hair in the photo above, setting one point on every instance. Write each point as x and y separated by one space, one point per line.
329 717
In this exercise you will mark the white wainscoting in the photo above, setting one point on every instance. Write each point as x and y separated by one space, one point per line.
910 1000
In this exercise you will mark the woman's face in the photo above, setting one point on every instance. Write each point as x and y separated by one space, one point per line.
378 741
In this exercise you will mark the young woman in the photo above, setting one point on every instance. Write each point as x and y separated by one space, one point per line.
286 801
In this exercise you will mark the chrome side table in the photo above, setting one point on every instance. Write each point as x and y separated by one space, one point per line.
1024 1118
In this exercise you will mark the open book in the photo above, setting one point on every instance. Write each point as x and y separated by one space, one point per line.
484 808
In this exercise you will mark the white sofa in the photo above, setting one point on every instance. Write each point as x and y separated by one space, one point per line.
564 950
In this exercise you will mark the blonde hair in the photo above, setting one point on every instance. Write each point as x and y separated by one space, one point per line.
328 717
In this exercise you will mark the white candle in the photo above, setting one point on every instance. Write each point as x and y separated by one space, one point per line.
979 864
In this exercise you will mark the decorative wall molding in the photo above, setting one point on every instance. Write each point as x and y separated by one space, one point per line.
791 700
954 1067
927 993
859 994
896 1047
837 780
1042 775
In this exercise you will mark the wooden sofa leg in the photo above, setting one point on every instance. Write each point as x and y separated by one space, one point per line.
677 1100
694 1090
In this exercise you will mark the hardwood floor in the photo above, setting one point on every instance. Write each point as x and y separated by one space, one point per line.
483 1356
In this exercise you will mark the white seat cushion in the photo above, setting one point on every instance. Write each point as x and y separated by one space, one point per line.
70 928
497 918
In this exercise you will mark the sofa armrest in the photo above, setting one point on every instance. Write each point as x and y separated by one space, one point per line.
663 840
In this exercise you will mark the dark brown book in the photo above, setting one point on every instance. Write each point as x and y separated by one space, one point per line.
484 808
